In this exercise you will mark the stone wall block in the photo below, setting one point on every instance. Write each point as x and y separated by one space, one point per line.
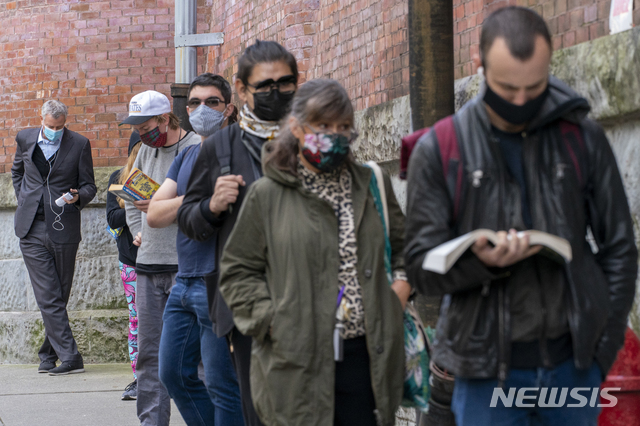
7 194
101 336
107 338
96 241
101 176
9 243
381 129
16 286
405 417
624 139
608 73
97 284
607 76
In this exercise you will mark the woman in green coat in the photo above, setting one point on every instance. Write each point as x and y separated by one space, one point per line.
304 274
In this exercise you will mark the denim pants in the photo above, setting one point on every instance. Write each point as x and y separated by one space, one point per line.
472 398
188 338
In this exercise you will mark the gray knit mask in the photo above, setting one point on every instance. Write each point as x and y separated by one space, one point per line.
206 121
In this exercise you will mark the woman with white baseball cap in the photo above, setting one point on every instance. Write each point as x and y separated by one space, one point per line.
150 114
157 261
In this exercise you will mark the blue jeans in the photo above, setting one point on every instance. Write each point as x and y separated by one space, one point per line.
472 398
187 338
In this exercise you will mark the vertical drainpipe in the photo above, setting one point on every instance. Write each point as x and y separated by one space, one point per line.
430 84
430 61
186 59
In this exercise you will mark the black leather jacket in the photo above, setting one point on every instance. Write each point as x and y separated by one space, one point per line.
473 331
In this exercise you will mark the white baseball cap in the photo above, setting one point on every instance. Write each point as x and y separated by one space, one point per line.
146 105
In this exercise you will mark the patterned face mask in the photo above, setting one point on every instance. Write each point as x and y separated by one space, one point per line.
154 138
327 151
206 121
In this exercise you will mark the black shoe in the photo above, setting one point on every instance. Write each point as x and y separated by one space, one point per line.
45 366
131 391
67 368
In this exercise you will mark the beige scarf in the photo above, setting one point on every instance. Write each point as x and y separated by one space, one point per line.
251 124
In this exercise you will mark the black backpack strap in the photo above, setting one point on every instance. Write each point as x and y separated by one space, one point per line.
223 151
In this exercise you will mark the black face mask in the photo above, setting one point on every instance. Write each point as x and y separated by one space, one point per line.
273 105
514 114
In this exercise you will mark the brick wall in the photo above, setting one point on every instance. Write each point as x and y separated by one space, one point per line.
570 22
94 55
361 43
91 55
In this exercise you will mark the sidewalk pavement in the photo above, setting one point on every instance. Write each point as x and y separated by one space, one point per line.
89 399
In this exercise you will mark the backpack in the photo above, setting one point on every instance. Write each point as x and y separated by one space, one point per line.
453 159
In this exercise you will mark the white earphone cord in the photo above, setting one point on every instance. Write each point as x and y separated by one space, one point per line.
58 219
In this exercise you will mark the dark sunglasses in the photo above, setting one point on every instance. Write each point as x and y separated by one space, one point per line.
283 84
194 103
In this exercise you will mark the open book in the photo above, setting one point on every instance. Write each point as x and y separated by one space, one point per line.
138 186
440 259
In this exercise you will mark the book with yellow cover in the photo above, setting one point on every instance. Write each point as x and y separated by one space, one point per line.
138 186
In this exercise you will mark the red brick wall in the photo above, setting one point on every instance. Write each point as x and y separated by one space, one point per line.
91 55
94 55
570 22
362 43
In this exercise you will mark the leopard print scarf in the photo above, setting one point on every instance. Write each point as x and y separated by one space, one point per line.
335 188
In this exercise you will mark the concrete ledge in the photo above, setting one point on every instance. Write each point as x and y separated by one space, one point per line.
101 335
8 197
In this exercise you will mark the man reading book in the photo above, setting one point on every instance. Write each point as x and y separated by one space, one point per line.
531 160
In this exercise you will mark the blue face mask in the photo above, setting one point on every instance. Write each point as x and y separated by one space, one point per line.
52 135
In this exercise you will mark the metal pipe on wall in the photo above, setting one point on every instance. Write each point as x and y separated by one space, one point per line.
430 61
186 67
431 87
186 57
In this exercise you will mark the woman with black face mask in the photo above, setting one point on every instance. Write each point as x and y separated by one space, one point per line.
229 162
309 274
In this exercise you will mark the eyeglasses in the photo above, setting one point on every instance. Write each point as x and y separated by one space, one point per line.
283 84
194 103
346 131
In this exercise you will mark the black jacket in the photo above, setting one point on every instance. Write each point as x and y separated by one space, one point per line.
117 218
196 220
473 332
73 168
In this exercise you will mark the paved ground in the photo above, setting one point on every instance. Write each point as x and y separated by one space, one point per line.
90 399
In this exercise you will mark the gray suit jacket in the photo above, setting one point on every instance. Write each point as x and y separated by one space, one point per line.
73 168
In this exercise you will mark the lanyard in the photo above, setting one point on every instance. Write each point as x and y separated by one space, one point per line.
338 348
340 295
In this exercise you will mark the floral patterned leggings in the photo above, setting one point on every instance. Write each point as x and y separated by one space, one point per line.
129 277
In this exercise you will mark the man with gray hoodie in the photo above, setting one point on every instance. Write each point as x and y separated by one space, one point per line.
157 262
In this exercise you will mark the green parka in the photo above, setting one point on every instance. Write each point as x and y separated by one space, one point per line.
279 276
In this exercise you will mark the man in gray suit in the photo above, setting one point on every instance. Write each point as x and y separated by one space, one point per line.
51 161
